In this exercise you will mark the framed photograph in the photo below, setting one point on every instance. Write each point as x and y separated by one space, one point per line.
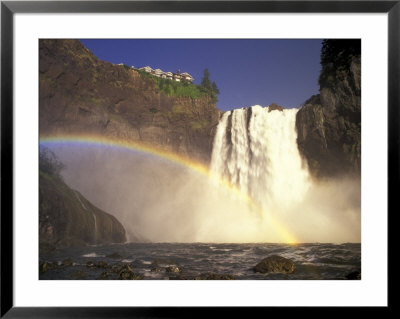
163 155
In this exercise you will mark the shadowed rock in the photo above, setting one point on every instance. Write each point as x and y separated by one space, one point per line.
172 269
45 266
66 218
275 264
329 124
157 269
126 273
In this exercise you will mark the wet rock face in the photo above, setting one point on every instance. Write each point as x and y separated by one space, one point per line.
329 125
79 94
275 264
72 223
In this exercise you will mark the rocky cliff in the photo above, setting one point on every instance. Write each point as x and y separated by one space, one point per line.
80 94
329 124
66 218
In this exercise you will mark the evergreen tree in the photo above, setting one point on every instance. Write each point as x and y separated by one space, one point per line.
215 88
339 52
208 86
205 82
336 56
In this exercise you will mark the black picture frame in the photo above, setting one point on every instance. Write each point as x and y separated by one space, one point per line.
9 8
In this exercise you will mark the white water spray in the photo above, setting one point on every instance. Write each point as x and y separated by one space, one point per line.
256 149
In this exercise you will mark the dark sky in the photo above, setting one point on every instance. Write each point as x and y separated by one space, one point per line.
247 72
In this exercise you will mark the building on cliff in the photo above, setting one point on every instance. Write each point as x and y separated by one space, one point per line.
178 77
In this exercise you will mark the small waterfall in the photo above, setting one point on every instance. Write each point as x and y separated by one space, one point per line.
94 216
256 150
95 228
79 199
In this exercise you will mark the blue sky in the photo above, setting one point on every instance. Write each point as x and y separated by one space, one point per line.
247 71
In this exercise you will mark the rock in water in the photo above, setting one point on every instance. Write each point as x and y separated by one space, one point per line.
275 264
172 269
126 273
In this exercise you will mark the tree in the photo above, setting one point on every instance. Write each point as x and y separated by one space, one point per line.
338 53
205 82
215 88
209 87
337 56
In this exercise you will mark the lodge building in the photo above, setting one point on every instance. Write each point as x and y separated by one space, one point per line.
178 77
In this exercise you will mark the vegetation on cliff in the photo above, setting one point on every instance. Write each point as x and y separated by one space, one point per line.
209 87
174 88
206 89
329 124
66 218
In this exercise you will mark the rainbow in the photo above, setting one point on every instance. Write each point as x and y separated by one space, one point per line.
102 141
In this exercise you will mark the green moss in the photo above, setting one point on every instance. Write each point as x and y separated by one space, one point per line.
197 125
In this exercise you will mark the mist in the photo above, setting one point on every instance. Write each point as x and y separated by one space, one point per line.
160 201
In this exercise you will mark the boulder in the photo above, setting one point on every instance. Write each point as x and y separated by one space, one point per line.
275 264
126 273
172 269
157 269
45 266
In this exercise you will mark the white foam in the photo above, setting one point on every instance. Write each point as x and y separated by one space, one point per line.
93 255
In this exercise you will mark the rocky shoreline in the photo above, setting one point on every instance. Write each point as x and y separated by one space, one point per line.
169 268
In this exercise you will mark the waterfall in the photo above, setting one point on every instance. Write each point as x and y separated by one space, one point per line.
95 228
94 216
256 150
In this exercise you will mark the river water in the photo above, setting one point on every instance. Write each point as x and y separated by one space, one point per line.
151 260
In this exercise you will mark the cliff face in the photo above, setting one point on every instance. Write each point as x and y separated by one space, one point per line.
66 218
329 124
79 94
